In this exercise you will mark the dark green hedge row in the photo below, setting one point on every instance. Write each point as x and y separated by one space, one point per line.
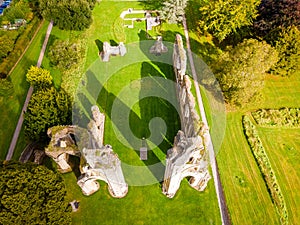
265 168
287 117
20 45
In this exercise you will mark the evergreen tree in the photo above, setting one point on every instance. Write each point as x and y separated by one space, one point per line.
222 17
47 108
39 78
31 194
173 10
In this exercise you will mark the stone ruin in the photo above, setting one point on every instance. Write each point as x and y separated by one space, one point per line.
158 48
151 21
97 161
188 157
109 50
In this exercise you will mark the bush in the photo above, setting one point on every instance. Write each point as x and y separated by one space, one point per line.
266 170
284 117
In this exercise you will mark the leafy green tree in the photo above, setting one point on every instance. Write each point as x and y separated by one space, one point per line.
67 14
18 10
173 11
222 17
31 194
38 77
276 15
6 46
47 107
240 70
288 47
65 54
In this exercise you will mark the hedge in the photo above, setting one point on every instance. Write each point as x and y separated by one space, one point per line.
283 117
265 168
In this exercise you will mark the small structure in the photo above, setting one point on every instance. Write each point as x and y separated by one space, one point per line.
143 150
75 205
109 50
158 48
151 21
97 162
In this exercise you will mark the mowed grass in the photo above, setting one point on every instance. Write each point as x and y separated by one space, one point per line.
121 84
247 196
144 205
235 158
11 106
283 149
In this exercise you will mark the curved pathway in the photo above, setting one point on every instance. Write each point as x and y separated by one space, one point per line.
219 189
29 93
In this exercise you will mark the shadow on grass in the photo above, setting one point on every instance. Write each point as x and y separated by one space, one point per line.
99 45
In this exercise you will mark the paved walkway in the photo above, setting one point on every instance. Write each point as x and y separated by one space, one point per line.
219 190
29 93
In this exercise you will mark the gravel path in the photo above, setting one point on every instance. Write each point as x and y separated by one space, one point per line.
29 93
219 189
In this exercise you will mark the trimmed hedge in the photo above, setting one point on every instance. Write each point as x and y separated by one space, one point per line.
265 168
284 117
20 46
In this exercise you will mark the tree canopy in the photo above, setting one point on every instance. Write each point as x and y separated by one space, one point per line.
31 194
68 14
240 70
288 47
173 11
47 107
65 54
222 17
38 77
277 14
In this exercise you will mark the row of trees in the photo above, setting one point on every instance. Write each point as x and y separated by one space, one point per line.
47 107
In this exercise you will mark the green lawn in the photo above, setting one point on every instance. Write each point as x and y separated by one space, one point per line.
252 204
11 105
120 87
282 147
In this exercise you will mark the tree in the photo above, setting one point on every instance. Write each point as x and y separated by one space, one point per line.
68 14
39 78
173 11
6 46
31 194
288 47
47 108
240 70
222 17
65 54
277 15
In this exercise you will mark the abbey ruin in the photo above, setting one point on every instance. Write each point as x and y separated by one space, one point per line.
97 161
188 157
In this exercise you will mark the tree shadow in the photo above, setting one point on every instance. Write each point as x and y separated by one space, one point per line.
113 43
193 14
99 45
152 4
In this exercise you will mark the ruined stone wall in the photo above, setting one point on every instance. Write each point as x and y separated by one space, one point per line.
188 156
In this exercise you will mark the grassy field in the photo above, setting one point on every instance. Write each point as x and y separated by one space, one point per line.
11 105
123 85
282 147
251 204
